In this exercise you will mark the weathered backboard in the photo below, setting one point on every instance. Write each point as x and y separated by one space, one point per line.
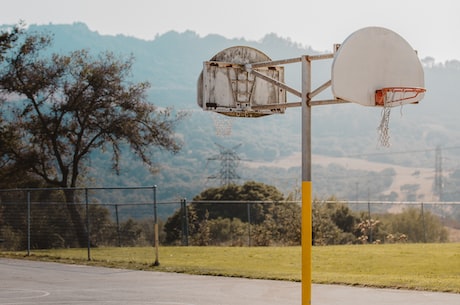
374 58
226 87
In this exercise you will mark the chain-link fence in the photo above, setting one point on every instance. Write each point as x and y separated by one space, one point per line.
81 217
127 217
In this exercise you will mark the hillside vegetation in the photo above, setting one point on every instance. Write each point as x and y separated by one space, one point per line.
172 63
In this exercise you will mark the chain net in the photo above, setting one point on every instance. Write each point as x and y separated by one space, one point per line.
383 129
384 135
222 124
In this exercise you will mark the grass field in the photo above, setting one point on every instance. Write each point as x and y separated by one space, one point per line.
433 267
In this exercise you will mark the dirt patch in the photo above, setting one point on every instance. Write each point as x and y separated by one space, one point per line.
423 177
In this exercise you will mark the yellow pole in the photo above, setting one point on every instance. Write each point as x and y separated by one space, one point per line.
306 242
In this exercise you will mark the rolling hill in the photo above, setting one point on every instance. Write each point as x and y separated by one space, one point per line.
344 136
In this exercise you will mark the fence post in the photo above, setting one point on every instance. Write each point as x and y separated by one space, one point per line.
28 223
370 221
248 205
155 221
184 222
423 223
118 225
87 224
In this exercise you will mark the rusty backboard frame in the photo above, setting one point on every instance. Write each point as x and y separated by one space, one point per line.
230 89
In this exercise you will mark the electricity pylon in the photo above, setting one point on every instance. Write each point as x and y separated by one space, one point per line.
229 161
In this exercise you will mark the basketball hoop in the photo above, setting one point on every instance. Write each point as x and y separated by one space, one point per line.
396 96
390 97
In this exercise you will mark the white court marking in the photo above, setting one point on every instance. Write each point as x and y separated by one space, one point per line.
15 293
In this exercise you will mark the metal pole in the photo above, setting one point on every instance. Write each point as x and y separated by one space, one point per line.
306 183
155 221
28 223
369 213
248 205
370 220
184 216
118 225
186 222
87 224
423 223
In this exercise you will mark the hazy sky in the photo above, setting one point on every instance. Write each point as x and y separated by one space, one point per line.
431 27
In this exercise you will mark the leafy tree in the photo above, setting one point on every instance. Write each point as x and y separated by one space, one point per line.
64 107
416 226
284 220
271 218
173 227
102 229
227 231
249 191
202 232
8 38
9 176
50 223
333 223
324 230
130 232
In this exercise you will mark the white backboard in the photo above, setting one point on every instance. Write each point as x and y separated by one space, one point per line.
371 59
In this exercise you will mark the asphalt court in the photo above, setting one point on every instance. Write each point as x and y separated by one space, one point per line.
24 282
